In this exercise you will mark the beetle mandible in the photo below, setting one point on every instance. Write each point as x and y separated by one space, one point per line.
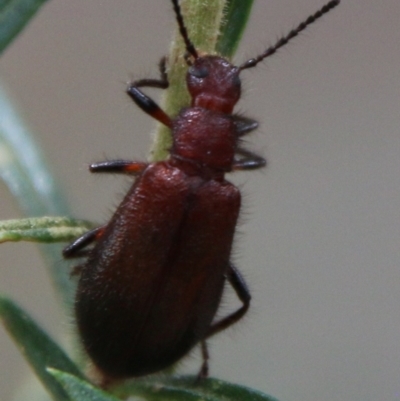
151 284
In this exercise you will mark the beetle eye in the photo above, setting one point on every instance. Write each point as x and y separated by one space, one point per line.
198 72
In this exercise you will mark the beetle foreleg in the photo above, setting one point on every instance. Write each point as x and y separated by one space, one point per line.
146 103
161 83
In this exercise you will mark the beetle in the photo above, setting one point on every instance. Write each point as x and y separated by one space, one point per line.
152 282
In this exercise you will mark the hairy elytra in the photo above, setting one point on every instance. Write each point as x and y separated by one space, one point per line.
154 275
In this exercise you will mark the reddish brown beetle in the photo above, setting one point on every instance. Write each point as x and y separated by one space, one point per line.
152 283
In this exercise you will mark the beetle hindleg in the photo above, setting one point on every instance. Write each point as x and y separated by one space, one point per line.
203 373
118 166
239 285
76 248
148 105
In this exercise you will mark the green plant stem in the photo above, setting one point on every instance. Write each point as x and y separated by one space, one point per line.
203 20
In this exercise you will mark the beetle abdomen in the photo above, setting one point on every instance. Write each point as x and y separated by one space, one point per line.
168 261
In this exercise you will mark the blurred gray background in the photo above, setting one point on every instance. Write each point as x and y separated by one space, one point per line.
319 238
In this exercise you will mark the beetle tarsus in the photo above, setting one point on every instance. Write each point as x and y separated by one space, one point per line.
118 166
204 369
248 161
76 248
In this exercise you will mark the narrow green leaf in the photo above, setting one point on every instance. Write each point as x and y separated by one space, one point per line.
24 170
23 167
161 391
37 347
237 13
14 15
189 388
78 389
224 390
42 229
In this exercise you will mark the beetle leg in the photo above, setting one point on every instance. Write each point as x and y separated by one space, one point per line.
118 166
146 103
244 125
161 83
76 248
203 373
249 161
239 285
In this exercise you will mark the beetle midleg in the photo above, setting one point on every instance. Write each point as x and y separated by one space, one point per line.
118 166
248 161
239 285
244 125
76 248
148 105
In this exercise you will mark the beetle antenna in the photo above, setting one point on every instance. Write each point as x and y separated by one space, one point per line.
293 33
183 31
